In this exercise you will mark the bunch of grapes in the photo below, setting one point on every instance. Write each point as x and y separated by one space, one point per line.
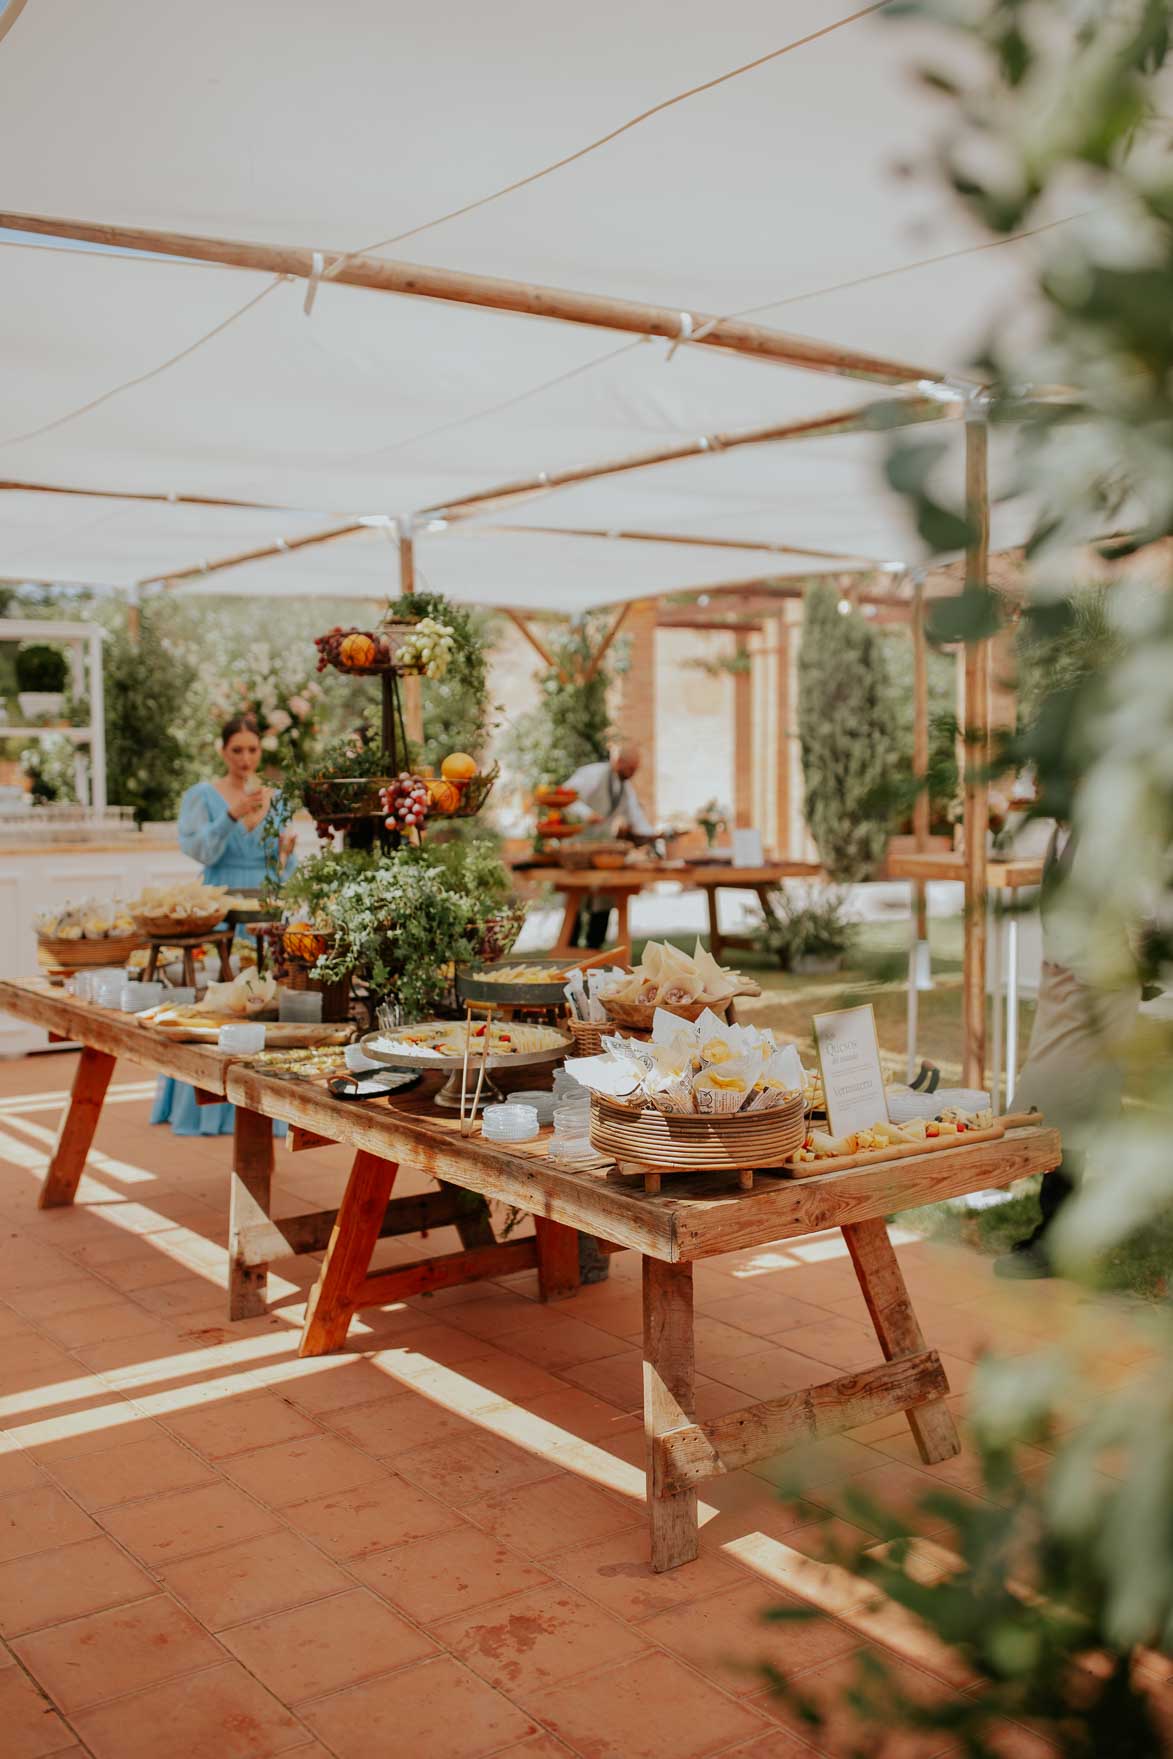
428 648
406 802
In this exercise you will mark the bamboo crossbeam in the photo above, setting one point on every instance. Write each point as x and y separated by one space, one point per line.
891 412
281 548
690 538
633 317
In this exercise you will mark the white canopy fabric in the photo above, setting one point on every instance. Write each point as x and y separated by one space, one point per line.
361 125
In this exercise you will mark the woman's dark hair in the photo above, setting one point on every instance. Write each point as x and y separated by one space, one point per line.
238 724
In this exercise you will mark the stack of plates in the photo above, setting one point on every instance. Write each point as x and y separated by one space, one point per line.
686 1143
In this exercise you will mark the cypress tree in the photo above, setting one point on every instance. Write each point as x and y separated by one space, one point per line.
848 735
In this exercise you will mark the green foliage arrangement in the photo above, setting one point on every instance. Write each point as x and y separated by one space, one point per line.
846 728
457 710
41 667
147 685
399 920
571 725
805 922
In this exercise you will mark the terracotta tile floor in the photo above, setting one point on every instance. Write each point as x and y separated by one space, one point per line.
434 1543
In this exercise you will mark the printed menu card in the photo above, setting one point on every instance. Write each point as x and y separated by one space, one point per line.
849 1059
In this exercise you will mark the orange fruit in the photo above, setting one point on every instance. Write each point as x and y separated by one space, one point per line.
458 767
445 796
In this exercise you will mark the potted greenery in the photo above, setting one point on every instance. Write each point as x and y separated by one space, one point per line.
397 922
41 673
341 787
807 930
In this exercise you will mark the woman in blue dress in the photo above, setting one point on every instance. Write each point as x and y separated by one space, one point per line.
221 825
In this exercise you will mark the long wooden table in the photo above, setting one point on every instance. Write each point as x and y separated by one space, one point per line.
621 884
691 1218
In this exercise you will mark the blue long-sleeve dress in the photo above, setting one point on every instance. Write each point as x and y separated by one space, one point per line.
231 856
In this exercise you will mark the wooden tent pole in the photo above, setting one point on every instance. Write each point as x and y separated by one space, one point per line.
920 745
743 766
703 329
413 701
782 756
977 805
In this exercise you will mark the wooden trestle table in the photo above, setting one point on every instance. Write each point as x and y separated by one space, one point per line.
621 884
693 1217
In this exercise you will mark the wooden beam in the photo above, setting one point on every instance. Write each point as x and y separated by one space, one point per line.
887 413
604 646
75 1134
281 547
412 685
688 538
669 1404
882 1286
920 747
416 280
743 740
976 785
249 1203
535 642
782 778
686 1457
399 1281
292 1235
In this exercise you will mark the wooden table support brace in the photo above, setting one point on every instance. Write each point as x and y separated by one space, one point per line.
352 1240
76 1135
882 1285
685 1457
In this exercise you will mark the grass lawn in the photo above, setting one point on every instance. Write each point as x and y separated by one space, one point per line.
876 973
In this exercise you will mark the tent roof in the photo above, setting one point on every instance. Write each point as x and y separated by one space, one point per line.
775 191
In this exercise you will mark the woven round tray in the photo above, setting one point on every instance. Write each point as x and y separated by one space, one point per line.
160 927
691 1144
58 955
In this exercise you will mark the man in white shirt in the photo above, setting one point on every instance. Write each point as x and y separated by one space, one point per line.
608 806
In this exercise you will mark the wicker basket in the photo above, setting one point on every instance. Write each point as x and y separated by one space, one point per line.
62 955
640 1014
588 1035
160 928
685 1143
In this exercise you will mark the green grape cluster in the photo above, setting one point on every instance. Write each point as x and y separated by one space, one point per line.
428 649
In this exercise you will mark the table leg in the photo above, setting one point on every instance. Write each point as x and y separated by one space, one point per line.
248 1204
571 910
668 1403
713 901
558 1273
898 1329
76 1133
622 911
348 1256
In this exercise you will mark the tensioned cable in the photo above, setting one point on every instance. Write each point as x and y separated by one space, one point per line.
153 372
605 139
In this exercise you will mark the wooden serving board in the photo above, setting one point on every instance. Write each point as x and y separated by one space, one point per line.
280 1035
839 1163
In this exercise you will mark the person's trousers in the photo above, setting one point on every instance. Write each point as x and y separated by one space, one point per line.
597 922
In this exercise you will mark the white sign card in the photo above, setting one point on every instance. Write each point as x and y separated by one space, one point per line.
849 1059
747 848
